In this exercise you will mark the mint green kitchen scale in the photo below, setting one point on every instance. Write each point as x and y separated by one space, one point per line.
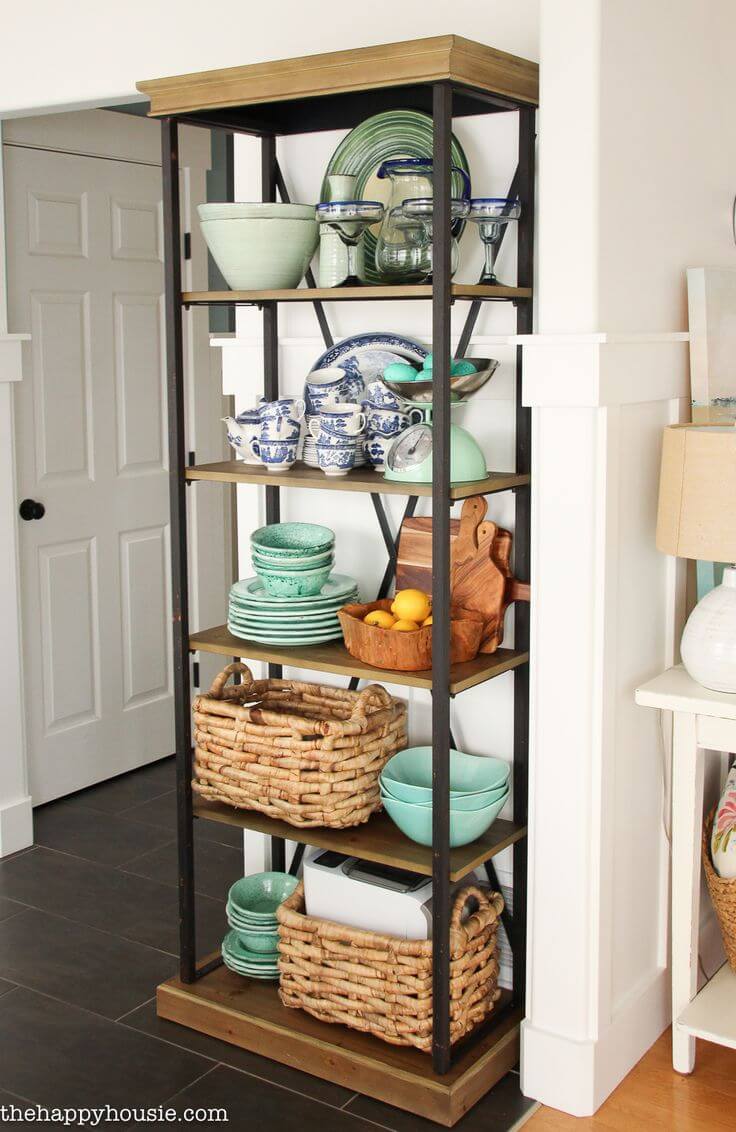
409 459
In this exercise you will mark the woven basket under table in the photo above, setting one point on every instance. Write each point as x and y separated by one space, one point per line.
382 984
309 754
722 893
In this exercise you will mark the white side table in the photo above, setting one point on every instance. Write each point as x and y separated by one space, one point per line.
702 720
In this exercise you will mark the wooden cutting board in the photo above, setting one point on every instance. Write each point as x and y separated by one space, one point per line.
414 568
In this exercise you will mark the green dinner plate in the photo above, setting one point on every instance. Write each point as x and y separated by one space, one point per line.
295 623
307 616
393 133
253 591
273 639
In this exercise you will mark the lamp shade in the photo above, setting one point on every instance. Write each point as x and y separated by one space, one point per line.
697 493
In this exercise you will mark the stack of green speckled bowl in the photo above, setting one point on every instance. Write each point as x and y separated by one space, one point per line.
252 946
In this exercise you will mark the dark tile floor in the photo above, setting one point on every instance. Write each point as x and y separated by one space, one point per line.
88 927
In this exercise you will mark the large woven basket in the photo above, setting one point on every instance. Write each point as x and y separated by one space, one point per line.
382 984
306 753
722 893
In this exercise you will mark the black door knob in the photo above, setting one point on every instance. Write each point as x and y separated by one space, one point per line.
31 509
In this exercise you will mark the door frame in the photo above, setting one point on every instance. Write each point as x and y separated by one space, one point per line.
16 818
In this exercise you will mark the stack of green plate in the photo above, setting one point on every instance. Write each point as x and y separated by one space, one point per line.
252 947
255 615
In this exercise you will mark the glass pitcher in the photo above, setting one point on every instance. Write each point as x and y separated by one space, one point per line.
403 251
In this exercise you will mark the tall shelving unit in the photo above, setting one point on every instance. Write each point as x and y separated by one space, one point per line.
448 77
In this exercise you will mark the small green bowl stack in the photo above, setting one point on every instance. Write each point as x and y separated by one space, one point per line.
293 559
251 948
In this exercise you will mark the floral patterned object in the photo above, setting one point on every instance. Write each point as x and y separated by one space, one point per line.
723 841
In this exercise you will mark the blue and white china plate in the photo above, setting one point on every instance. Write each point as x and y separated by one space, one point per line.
253 591
367 355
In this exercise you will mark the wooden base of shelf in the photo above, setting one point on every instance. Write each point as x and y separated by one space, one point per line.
375 840
249 1014
360 479
334 657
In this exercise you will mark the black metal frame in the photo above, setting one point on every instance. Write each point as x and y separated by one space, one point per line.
311 115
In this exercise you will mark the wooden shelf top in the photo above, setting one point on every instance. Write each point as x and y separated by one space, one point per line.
418 61
359 479
376 840
248 1013
334 657
469 291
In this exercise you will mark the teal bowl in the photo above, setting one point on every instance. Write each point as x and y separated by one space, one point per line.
310 562
465 825
280 582
262 943
457 801
408 775
258 896
292 540
244 923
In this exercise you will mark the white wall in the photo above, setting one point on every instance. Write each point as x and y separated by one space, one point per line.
87 53
636 184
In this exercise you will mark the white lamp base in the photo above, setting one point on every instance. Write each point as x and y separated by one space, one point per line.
708 645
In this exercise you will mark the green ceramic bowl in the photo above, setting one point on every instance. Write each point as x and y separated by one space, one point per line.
308 562
408 775
292 540
302 583
465 825
263 943
258 896
243 922
457 801
259 246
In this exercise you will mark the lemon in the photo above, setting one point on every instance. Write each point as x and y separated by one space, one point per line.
412 605
405 626
380 617
427 622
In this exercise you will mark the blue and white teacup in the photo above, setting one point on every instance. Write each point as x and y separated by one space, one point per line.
325 387
379 396
341 418
390 422
376 448
337 459
280 428
275 455
293 407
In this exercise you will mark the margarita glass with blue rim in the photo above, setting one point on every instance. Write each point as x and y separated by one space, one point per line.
350 218
492 214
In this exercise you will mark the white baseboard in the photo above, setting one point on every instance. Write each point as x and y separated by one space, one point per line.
577 1076
16 826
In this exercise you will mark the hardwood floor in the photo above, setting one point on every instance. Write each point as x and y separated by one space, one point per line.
654 1097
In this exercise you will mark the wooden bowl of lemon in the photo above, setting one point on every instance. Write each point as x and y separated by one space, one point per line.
397 632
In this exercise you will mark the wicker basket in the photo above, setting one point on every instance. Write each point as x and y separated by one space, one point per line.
722 893
306 753
382 984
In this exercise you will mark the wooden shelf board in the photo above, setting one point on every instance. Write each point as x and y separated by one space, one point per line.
712 1013
249 1014
436 58
376 840
359 479
334 657
351 294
